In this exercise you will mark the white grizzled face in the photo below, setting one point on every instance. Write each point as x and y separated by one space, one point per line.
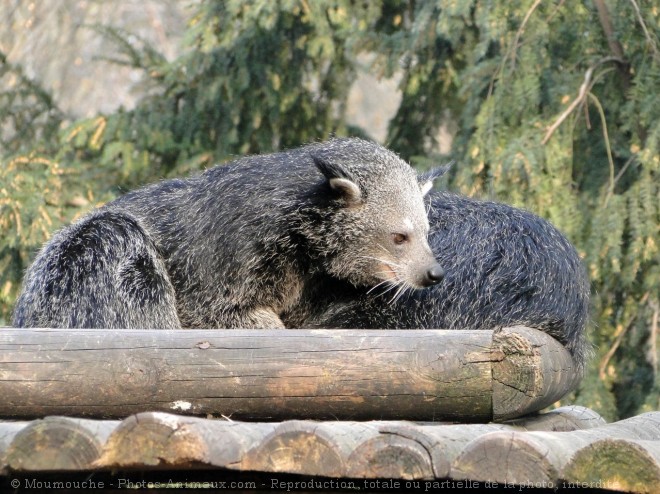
394 251
379 236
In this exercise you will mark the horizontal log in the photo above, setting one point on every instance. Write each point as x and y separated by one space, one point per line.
390 456
58 443
8 431
443 444
375 449
532 373
311 448
540 457
615 464
282 374
563 419
620 456
155 439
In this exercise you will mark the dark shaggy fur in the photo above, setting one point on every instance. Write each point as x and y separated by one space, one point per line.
102 272
238 245
503 266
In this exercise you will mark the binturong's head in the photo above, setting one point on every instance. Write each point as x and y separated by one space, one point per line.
376 227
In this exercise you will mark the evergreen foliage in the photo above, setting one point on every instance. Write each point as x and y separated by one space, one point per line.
556 104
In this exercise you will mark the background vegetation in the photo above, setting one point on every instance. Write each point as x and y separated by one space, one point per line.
555 104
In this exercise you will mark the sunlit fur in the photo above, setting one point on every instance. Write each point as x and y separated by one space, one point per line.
236 246
503 266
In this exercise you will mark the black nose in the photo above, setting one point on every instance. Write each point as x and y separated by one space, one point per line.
434 275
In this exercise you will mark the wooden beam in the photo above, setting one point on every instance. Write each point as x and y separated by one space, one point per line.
533 372
541 457
311 448
390 456
158 439
563 419
623 455
465 375
374 449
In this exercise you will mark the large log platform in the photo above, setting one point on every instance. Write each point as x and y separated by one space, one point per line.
570 447
266 378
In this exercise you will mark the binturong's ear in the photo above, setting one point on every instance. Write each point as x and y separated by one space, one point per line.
339 180
426 179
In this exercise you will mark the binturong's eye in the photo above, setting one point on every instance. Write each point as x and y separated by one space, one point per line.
399 238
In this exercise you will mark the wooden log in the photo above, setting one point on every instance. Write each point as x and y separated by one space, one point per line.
563 419
615 464
533 372
58 443
8 431
407 449
539 457
153 439
309 448
443 443
281 374
390 456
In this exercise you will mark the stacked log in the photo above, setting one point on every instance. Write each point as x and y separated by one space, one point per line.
567 447
472 376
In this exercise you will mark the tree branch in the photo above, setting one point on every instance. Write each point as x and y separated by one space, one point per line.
649 38
582 94
615 47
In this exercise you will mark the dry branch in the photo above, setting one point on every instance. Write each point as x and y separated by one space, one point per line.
583 91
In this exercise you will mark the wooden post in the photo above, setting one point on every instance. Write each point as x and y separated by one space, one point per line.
465 375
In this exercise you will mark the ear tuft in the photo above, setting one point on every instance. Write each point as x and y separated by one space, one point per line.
339 180
425 180
330 169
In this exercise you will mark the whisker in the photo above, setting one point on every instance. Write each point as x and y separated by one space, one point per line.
384 261
384 249
405 286
409 288
391 286
376 286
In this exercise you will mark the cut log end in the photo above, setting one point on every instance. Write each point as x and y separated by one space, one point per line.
390 456
297 447
531 370
506 457
58 443
616 464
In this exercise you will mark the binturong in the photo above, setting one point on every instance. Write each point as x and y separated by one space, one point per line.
503 266
238 245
